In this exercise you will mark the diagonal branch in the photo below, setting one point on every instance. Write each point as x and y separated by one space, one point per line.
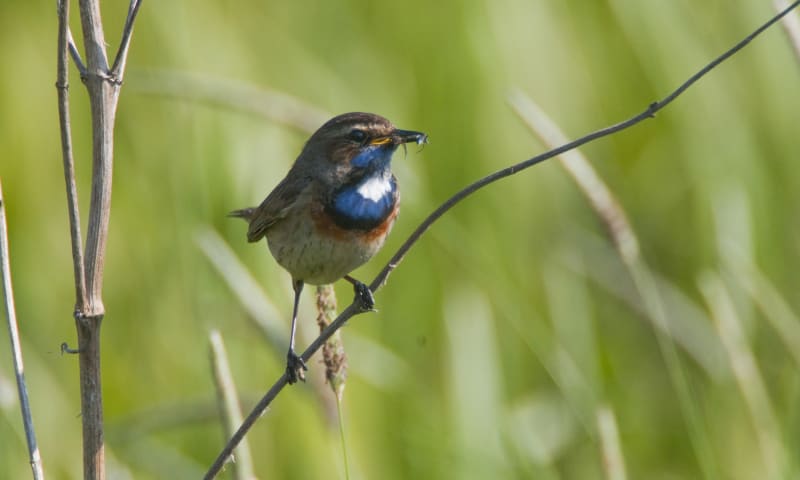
383 275
118 69
73 50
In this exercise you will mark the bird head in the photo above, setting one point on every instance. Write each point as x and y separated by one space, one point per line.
353 145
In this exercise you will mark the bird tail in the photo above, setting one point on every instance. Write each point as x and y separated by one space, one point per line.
245 213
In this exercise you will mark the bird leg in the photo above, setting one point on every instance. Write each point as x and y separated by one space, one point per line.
295 366
364 299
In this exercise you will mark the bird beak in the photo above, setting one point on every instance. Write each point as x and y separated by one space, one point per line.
399 137
408 136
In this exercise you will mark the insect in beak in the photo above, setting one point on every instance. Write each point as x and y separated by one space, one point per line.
408 136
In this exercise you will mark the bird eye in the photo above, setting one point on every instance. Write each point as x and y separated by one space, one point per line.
357 135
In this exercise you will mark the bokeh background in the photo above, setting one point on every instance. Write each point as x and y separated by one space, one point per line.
512 342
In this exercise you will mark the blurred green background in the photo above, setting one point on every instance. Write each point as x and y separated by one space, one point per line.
511 342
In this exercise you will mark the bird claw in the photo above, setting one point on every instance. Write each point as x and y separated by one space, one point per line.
295 368
364 299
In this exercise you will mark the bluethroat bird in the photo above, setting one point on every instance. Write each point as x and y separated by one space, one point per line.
334 209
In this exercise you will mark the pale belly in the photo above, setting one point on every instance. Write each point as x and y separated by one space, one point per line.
317 258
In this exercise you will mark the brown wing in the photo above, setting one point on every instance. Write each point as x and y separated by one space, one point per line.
276 206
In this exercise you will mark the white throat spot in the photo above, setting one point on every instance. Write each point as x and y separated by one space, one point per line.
374 188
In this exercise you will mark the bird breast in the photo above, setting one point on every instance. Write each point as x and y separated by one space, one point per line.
314 248
365 204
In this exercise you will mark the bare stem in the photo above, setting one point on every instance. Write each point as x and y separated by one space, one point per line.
102 96
16 349
382 276
62 85
90 311
103 86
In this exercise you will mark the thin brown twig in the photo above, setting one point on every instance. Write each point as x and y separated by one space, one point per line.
62 84
122 54
597 193
74 53
34 457
383 275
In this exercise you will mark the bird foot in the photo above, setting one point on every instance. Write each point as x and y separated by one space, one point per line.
295 368
364 299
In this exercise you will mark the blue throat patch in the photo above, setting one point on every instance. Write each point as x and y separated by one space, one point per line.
365 204
373 156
